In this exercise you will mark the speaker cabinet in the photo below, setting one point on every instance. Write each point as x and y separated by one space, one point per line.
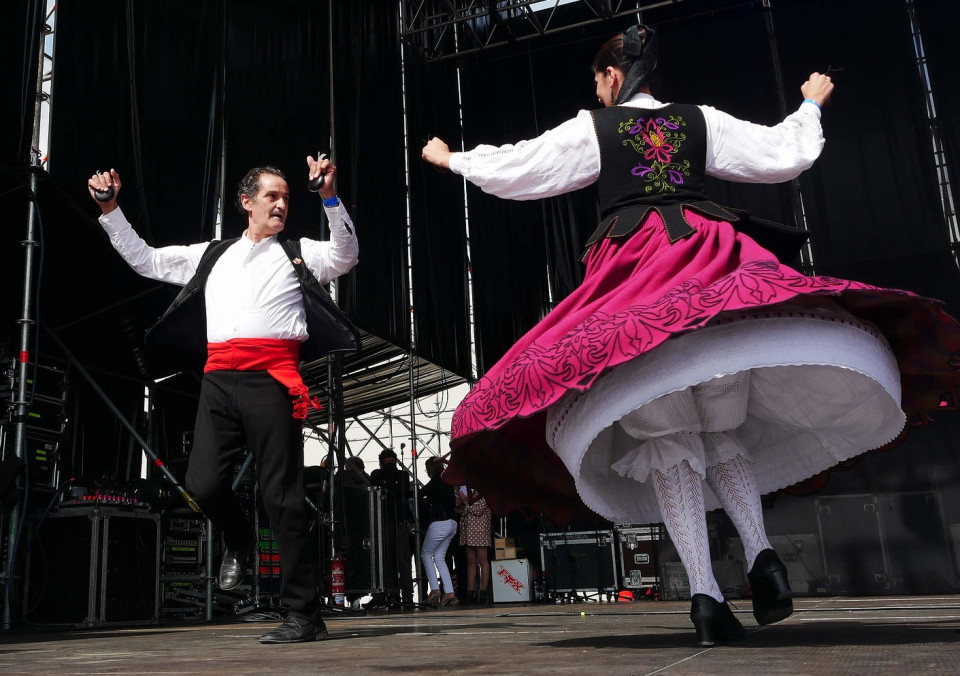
93 566
579 561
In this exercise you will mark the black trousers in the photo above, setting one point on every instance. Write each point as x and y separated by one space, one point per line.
250 409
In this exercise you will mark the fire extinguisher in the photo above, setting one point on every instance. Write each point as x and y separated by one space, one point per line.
336 581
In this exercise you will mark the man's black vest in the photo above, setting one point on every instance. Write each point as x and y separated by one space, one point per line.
655 160
182 330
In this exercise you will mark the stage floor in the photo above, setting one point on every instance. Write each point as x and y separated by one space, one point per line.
883 635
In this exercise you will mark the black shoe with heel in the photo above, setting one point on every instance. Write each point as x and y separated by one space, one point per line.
714 621
772 598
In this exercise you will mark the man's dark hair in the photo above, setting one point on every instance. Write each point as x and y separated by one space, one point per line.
250 183
434 467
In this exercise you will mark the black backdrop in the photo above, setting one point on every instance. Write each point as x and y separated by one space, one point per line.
369 142
872 197
938 21
276 107
161 91
438 228
871 201
20 36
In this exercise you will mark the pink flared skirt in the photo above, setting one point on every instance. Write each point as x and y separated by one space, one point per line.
834 369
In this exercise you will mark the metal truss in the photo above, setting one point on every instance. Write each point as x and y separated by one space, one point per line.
443 29
41 120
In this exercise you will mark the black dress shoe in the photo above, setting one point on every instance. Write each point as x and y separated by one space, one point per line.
232 568
714 621
770 589
296 629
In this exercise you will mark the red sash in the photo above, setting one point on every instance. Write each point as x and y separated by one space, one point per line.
279 358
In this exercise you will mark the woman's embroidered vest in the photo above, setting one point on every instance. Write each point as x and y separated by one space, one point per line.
655 159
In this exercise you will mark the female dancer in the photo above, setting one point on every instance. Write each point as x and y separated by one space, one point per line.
438 512
689 353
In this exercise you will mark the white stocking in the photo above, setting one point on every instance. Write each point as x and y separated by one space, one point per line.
733 484
679 492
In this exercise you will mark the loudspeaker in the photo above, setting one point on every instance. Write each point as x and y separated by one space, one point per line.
92 566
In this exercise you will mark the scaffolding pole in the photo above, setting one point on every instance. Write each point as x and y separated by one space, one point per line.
416 482
27 327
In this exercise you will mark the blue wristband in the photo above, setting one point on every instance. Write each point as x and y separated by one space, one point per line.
331 201
811 101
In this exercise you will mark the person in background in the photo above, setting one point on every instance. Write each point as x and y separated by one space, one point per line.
438 517
475 534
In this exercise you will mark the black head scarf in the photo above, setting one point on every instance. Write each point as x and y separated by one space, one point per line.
640 48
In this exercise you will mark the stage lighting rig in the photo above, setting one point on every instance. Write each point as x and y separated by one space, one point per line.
453 28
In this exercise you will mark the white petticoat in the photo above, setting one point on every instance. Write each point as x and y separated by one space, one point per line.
823 387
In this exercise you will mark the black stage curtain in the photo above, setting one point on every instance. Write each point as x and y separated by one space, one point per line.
938 25
368 122
92 117
872 198
687 72
276 103
133 92
178 86
438 228
20 38
507 242
137 89
563 85
512 93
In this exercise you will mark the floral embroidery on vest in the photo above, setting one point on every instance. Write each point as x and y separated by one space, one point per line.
658 139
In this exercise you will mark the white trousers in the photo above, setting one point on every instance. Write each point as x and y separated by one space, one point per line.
438 537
